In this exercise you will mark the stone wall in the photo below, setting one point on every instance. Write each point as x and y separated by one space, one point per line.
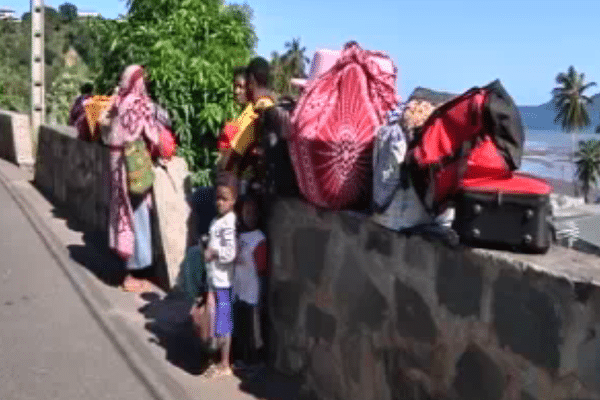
72 173
15 138
361 312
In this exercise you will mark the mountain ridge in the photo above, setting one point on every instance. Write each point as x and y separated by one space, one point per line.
541 117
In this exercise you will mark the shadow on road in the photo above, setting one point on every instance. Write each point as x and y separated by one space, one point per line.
169 321
103 264
93 254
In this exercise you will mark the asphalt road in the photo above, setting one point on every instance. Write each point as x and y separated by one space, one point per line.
50 345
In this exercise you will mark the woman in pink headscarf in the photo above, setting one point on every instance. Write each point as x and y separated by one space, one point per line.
131 116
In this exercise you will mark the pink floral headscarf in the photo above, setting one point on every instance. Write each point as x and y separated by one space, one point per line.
135 111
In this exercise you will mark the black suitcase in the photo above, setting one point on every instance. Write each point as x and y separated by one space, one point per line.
506 214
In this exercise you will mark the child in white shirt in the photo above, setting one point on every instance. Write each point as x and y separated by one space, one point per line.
219 256
251 260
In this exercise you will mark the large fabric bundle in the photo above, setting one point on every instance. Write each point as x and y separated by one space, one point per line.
334 127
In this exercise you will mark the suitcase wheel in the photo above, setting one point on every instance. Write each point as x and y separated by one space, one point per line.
529 214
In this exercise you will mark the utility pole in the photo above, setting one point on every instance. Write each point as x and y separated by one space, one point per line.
38 92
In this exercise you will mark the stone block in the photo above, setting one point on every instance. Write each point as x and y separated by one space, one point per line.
310 245
459 283
351 222
402 375
61 167
478 377
81 187
357 298
15 138
351 357
526 321
413 317
325 371
285 301
379 240
588 359
320 325
44 174
419 254
101 170
371 308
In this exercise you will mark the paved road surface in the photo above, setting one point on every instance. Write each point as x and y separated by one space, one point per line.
50 345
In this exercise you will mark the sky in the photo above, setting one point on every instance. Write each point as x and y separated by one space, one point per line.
448 45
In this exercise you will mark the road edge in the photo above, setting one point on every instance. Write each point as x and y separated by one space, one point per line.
118 333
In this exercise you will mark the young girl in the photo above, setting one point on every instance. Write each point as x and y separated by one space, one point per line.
219 256
251 261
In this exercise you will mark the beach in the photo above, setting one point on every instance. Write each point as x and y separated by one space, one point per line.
547 155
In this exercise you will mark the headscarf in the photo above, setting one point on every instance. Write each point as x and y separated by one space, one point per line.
135 112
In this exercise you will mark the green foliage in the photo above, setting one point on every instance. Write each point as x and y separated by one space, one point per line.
86 36
67 12
287 66
570 101
571 104
588 165
189 48
64 89
14 67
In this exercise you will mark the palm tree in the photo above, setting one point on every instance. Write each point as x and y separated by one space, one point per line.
287 66
295 58
588 165
571 104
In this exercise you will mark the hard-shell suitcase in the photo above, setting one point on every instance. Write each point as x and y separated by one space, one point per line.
510 213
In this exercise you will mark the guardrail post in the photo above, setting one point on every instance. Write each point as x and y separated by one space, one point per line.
38 92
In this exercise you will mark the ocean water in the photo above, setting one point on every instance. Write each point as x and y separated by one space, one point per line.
557 145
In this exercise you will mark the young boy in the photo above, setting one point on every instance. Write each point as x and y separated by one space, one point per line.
219 255
250 264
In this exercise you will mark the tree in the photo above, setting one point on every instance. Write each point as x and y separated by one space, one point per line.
63 90
67 12
190 49
86 36
571 103
290 65
295 58
588 165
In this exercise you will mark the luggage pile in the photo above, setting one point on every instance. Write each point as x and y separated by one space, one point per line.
440 161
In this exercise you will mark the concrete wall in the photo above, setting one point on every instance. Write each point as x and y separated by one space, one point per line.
15 138
72 173
364 313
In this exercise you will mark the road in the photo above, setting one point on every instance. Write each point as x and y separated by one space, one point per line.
50 345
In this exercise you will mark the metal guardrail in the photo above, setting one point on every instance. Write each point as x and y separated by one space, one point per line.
570 231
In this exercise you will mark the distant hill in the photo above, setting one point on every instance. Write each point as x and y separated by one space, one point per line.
542 116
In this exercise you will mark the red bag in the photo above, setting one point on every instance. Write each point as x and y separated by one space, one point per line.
167 146
334 126
478 134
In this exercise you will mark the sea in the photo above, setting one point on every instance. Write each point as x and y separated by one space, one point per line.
551 153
